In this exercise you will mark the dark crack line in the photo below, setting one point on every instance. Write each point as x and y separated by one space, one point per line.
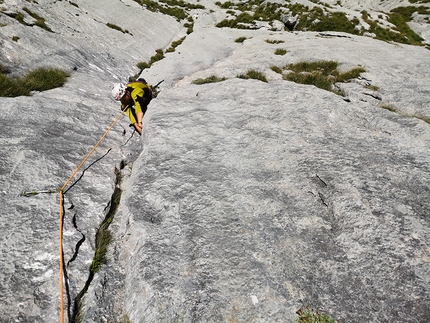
79 243
132 134
66 276
325 184
103 238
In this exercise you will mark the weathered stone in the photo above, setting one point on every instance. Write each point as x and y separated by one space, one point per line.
242 201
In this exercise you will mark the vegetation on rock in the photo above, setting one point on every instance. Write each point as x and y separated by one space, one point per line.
210 79
324 18
41 79
322 74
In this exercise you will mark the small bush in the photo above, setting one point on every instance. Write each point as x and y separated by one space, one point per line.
280 51
15 38
253 74
210 79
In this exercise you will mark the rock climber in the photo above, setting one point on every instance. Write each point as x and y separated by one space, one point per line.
135 97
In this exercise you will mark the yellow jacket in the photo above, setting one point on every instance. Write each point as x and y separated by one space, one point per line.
141 94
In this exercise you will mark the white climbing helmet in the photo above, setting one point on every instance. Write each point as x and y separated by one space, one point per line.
118 91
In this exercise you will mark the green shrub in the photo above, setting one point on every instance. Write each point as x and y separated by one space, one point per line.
210 79
280 51
253 74
15 38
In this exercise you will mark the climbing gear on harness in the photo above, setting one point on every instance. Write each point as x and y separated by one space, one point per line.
155 90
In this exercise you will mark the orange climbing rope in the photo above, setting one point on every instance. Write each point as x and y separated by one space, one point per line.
61 215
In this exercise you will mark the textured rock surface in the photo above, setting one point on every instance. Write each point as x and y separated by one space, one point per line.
46 136
243 201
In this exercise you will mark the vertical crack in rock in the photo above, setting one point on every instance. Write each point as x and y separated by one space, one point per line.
102 241
80 242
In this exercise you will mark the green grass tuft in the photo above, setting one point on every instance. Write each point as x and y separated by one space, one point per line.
322 74
253 74
40 22
309 315
174 45
40 79
44 79
270 41
210 79
318 79
113 26
240 39
276 69
280 51
159 55
349 75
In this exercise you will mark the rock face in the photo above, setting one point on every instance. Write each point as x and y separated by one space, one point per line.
247 213
243 201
